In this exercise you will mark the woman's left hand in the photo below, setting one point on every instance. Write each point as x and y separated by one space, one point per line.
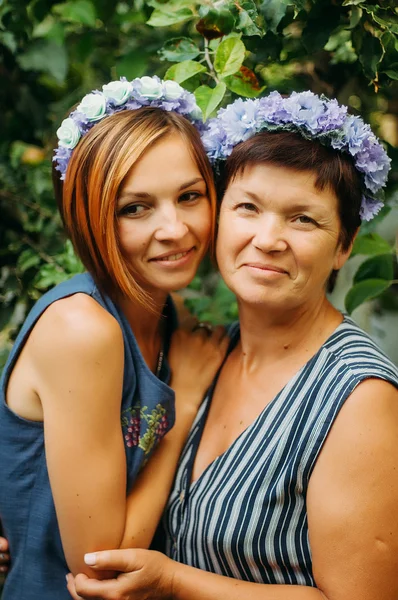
144 575
4 556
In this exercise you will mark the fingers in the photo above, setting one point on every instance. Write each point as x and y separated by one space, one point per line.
93 589
71 587
113 560
3 544
4 556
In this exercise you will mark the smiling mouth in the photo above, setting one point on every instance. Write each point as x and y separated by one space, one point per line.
173 257
262 267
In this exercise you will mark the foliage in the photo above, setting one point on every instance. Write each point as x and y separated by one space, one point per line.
53 52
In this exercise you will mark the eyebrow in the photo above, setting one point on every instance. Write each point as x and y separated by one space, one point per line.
299 206
146 195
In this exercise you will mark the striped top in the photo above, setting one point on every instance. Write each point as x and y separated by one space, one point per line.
245 517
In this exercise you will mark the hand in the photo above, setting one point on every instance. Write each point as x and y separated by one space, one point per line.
4 556
195 355
145 575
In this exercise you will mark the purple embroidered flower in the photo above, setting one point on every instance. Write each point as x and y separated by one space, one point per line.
132 436
315 117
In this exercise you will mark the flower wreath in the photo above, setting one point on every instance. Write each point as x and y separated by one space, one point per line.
118 96
315 118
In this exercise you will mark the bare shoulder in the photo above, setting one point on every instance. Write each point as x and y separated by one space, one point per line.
353 495
365 429
372 408
76 326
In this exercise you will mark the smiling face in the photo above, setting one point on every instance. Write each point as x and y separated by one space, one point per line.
164 217
278 237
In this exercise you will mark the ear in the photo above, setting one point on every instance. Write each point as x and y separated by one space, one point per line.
343 255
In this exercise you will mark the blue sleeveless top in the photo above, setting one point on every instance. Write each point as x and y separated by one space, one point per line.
245 517
38 566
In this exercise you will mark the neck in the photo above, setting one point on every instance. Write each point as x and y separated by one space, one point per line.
146 324
270 336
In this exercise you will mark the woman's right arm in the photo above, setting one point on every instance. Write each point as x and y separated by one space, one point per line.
77 357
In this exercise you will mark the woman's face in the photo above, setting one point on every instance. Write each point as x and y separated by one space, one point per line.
278 237
164 217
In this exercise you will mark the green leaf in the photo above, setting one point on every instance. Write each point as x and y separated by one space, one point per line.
79 11
215 23
247 18
49 276
364 290
356 15
27 259
184 70
392 71
131 65
352 2
46 56
371 243
376 267
273 12
244 83
179 49
162 18
230 55
370 55
209 98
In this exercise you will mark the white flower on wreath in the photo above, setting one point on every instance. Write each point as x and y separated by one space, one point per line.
118 91
172 90
68 134
93 106
150 88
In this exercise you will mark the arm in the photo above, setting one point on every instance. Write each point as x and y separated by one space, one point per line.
352 516
194 359
77 357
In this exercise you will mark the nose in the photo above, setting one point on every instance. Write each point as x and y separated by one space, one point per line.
270 234
171 226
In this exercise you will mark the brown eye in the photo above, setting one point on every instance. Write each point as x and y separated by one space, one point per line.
132 210
189 197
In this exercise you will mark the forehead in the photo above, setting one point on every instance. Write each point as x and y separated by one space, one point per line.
170 159
280 186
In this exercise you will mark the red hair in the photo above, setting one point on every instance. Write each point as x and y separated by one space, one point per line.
95 175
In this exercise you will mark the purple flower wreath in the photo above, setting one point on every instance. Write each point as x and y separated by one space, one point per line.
118 96
314 117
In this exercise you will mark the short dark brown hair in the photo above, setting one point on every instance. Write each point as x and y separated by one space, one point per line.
334 170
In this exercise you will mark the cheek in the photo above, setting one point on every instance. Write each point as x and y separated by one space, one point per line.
130 237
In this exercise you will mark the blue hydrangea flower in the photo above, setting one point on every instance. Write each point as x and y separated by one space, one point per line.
315 117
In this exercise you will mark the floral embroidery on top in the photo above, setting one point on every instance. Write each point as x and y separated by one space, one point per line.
157 425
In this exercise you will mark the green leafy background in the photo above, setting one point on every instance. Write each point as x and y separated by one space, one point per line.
52 53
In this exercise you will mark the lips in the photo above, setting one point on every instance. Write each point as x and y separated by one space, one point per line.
266 267
172 256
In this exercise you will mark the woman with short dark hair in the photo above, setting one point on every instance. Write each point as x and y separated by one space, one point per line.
287 488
